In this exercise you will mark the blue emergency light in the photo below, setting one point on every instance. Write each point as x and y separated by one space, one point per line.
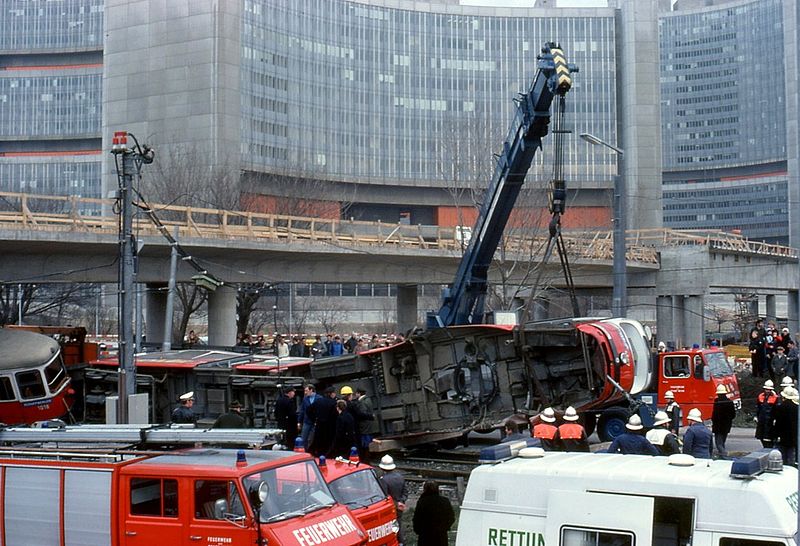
506 450
754 464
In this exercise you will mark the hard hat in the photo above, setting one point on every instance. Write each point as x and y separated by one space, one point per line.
769 385
669 394
188 396
790 393
570 414
346 390
784 330
695 415
661 418
662 345
548 415
387 463
721 389
634 423
787 382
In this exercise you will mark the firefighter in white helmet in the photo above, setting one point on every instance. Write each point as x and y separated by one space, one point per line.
765 405
697 441
633 442
662 437
546 430
673 409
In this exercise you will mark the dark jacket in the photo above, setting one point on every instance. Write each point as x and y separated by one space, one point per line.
345 436
366 422
780 365
784 428
286 413
182 414
433 517
629 443
698 441
722 415
765 402
231 419
324 415
304 417
394 483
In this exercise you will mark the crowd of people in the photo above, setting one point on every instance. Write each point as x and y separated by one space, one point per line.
773 352
315 347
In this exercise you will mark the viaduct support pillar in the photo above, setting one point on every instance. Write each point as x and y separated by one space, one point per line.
678 315
793 313
771 312
156 308
222 317
406 307
664 326
694 321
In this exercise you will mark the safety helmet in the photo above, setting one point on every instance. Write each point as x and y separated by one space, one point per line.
669 395
187 396
695 415
548 415
769 385
787 382
346 390
721 389
790 393
387 463
662 346
661 418
570 414
634 423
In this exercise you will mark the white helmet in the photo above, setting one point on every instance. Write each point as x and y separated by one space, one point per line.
669 395
661 418
387 463
787 382
790 393
634 423
721 389
570 414
548 415
662 346
695 415
769 385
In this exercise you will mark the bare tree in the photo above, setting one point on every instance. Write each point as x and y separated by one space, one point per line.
43 304
330 313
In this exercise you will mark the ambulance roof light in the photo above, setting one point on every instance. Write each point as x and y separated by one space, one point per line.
680 459
756 463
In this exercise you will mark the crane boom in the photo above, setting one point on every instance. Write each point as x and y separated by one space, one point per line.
463 302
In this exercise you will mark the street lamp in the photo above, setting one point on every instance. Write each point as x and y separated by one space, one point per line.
619 296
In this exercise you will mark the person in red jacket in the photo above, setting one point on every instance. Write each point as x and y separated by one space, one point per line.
547 431
571 432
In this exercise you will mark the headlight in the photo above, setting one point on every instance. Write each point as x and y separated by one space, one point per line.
395 526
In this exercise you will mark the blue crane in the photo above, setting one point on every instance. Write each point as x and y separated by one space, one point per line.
463 301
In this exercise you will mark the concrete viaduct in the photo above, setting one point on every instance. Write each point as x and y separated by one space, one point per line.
57 239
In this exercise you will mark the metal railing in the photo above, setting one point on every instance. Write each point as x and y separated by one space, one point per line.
77 214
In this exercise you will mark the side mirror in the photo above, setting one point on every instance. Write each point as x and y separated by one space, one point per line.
258 494
220 508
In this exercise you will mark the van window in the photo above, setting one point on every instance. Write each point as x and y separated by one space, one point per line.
676 366
589 537
747 542
154 497
208 492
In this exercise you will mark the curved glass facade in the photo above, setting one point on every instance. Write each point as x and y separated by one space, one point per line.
365 93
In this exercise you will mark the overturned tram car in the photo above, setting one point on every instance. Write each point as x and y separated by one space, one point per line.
440 384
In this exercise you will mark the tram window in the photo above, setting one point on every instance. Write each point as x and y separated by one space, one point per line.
6 391
30 384
54 372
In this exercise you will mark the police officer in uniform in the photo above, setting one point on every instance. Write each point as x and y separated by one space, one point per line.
547 431
184 413
571 433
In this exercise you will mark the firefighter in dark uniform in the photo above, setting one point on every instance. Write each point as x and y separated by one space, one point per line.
184 413
286 416
571 433
547 431
673 409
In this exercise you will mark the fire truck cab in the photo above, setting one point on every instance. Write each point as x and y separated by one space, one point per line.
583 499
356 486
202 496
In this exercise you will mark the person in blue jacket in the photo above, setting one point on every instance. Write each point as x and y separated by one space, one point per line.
633 441
697 441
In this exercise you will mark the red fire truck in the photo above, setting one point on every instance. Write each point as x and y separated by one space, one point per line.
212 497
356 486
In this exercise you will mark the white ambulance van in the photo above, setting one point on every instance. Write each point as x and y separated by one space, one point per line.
583 499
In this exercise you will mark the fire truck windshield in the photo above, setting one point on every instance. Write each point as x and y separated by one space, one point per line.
358 489
293 491
718 364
